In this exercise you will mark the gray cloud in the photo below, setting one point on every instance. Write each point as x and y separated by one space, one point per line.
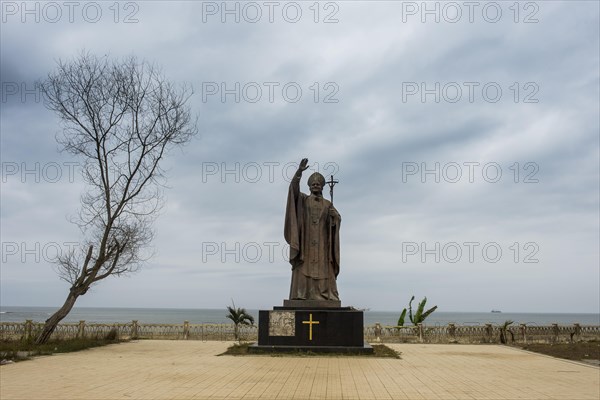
373 134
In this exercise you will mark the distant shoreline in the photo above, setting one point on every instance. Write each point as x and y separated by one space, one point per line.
3 307
197 316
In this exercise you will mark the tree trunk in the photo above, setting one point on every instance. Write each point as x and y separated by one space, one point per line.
502 336
58 316
512 336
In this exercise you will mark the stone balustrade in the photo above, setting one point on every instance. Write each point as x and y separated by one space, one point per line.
451 333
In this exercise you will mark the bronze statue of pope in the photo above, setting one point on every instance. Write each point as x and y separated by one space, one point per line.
312 226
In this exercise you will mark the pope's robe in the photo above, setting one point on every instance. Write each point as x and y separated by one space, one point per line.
312 232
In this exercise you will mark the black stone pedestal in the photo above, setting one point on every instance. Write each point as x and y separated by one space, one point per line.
306 328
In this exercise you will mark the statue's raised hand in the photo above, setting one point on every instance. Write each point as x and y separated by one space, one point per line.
303 165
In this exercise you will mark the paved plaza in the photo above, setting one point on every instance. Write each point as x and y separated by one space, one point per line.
151 369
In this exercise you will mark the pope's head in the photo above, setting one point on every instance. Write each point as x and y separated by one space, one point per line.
316 182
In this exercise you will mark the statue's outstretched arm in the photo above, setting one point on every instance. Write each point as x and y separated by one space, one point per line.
295 183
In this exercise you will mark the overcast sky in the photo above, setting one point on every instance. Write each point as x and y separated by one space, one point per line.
465 139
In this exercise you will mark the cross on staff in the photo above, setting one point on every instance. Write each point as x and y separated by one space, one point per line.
331 184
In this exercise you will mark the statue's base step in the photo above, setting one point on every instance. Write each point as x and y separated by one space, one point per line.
311 328
312 303
258 349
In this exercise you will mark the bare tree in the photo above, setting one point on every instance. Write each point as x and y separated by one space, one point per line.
121 118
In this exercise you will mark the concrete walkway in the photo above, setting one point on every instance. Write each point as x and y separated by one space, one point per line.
190 370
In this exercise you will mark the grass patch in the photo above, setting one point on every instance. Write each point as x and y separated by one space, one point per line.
380 351
236 350
17 350
570 351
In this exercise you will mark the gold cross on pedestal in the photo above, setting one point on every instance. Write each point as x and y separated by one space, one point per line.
310 323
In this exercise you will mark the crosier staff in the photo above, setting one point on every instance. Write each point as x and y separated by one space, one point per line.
331 184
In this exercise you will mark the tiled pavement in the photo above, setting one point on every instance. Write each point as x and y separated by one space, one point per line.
191 370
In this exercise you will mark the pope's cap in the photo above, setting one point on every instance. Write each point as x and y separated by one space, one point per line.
316 176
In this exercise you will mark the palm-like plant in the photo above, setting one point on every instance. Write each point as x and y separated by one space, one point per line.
239 316
419 316
504 329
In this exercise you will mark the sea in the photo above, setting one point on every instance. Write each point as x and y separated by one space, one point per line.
199 316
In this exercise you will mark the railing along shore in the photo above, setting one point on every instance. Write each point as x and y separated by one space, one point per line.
451 333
